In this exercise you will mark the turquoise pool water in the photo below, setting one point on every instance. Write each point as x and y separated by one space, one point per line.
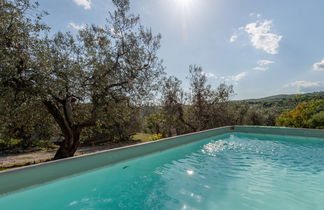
232 171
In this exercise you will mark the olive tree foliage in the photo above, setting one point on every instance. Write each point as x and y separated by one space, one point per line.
99 66
25 119
118 121
19 36
170 118
202 108
157 124
173 103
242 113
20 31
209 105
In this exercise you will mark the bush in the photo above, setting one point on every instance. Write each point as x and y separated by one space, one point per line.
305 115
317 121
156 123
155 137
10 144
43 144
13 145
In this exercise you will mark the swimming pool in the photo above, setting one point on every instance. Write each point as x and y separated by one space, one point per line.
233 170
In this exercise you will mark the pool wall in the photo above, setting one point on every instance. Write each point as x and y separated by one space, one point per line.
15 179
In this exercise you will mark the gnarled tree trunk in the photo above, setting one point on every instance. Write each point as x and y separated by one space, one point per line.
69 128
70 144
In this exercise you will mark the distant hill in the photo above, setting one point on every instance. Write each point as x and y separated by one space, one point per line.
272 98
283 97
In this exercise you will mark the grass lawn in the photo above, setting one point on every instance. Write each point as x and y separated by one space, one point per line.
142 137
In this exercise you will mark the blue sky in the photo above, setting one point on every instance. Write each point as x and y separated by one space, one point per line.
262 47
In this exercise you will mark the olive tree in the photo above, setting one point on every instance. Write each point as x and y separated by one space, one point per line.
99 65
209 106
174 105
203 107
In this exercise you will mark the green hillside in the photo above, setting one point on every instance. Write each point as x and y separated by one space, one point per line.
281 97
272 98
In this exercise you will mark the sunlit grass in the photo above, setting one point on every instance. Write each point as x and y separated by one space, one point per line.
143 137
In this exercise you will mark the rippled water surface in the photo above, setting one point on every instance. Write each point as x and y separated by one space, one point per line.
235 171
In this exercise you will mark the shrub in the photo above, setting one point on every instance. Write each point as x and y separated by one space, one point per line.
305 115
14 145
155 137
10 144
43 144
317 120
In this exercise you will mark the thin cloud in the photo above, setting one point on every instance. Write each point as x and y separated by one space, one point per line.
263 65
231 79
257 15
261 68
238 77
86 4
306 86
233 38
319 66
264 62
261 36
303 83
76 26
209 75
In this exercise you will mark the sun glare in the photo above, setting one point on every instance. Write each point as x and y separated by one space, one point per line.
184 4
184 10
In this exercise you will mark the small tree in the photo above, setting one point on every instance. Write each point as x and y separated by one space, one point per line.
209 106
156 123
317 120
173 103
202 108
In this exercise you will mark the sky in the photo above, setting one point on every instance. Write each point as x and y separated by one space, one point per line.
261 47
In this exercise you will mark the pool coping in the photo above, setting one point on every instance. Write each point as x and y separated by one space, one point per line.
19 178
